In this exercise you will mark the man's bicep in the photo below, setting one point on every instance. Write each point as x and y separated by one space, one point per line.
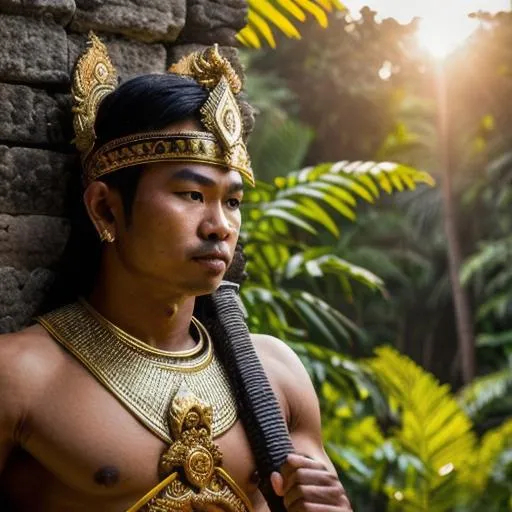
306 425
299 401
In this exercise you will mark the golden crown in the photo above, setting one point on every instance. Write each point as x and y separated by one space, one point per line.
223 145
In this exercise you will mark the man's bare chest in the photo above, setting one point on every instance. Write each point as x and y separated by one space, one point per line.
91 444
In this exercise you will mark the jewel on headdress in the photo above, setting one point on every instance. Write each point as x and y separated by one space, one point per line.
220 114
94 77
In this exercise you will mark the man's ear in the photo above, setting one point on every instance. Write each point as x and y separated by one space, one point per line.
104 207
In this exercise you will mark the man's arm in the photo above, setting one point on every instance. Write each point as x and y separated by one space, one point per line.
16 374
308 480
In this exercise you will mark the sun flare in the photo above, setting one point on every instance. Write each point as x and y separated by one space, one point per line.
440 39
445 24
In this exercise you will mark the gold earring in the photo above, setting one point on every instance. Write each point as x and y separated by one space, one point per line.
107 236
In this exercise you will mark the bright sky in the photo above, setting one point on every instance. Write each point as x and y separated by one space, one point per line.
445 23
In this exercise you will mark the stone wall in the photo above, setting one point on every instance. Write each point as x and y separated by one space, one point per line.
39 43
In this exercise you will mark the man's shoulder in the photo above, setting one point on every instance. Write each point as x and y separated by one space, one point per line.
272 349
27 356
280 361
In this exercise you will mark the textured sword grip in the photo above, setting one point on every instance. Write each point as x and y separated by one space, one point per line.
260 412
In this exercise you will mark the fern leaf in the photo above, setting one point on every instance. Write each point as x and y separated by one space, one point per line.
433 427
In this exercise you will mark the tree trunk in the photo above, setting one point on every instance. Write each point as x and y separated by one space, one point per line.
464 322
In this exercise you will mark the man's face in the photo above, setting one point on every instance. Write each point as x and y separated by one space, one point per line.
184 227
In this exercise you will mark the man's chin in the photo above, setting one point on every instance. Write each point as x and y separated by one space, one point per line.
206 287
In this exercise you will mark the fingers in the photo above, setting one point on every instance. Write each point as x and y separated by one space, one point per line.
295 461
307 485
318 507
311 494
307 476
277 483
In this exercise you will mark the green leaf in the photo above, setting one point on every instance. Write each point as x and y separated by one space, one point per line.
292 219
255 20
315 10
292 8
494 339
312 318
319 214
268 11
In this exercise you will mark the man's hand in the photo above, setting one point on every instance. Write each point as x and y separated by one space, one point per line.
307 485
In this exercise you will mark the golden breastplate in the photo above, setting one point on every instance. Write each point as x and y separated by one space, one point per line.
193 479
184 398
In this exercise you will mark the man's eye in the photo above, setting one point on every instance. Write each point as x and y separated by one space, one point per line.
234 204
194 196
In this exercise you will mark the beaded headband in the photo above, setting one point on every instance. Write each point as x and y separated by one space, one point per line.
223 145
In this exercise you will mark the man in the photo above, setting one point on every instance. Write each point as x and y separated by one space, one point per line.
121 399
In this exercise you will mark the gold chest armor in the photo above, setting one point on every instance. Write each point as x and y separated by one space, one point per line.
184 398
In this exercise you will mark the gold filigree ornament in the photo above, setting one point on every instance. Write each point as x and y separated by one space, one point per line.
193 479
222 145
94 78
220 114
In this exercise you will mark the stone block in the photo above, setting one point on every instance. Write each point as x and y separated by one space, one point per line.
31 241
33 50
144 20
34 116
34 181
21 294
61 10
131 58
214 21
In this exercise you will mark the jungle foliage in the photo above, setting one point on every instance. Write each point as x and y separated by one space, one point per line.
348 259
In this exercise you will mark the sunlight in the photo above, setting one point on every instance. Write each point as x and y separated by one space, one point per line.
445 24
440 39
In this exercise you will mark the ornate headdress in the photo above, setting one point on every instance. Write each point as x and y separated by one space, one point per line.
222 145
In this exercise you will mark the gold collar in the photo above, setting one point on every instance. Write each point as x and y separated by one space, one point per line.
144 379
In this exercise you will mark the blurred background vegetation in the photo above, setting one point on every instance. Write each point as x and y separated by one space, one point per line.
393 281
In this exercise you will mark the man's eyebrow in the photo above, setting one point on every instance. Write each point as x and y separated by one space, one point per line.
235 187
187 174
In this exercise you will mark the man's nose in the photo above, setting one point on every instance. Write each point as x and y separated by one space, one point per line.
215 225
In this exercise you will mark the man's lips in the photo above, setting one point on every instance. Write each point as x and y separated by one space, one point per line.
216 261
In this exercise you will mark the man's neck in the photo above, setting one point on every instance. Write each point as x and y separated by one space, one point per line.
161 320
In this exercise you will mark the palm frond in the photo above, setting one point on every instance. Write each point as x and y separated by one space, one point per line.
319 262
302 196
267 14
281 236
491 255
480 396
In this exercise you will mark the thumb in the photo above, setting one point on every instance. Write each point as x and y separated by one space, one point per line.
277 483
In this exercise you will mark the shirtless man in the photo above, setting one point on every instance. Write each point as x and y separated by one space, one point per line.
69 441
